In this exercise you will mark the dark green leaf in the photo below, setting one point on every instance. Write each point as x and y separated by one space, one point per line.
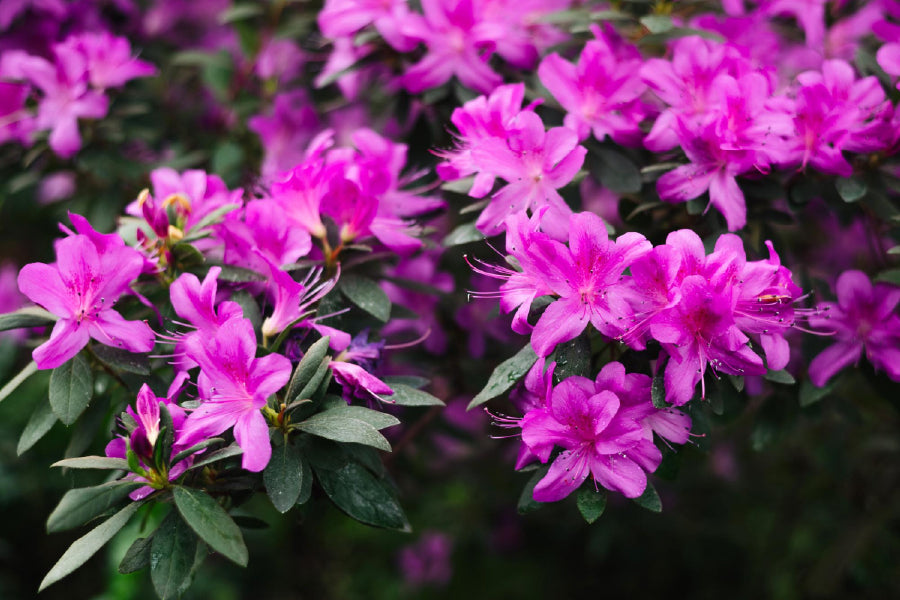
407 380
463 234
235 274
32 316
310 367
658 392
40 422
137 557
850 189
211 523
505 375
185 256
87 545
572 358
615 171
11 386
344 429
810 394
527 503
196 448
889 276
80 505
781 376
376 419
358 493
283 476
139 364
591 503
172 554
226 452
649 499
71 389
306 481
92 462
367 295
405 395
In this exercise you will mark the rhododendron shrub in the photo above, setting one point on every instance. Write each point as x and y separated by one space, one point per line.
271 257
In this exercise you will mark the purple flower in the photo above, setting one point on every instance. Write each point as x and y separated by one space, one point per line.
459 40
16 122
586 276
234 386
143 438
586 420
535 163
285 131
863 318
81 288
601 93
428 560
108 59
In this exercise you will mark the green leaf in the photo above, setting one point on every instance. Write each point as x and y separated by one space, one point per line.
306 481
362 496
40 422
185 256
211 523
781 376
11 386
283 476
71 389
235 274
240 12
405 395
649 499
657 23
615 171
367 295
376 419
226 452
213 217
462 234
810 394
344 429
591 503
137 557
527 503
196 448
505 376
889 276
658 392
310 368
31 316
139 364
573 358
850 189
172 554
87 545
92 462
80 505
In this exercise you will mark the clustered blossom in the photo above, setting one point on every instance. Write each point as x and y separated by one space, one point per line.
91 273
702 309
71 86
604 428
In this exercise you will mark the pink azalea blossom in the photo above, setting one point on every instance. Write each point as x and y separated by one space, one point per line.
81 288
863 318
233 386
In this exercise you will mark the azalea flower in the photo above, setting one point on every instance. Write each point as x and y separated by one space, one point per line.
81 288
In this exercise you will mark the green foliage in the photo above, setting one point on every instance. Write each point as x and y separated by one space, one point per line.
591 503
71 389
505 376
211 523
367 295
172 552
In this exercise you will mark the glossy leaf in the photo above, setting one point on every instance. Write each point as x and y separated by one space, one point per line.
211 523
71 389
505 376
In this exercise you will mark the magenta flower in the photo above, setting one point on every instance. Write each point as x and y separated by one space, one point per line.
263 231
535 163
586 276
889 59
863 318
585 420
81 288
16 122
460 41
234 386
142 439
601 92
285 131
196 302
108 59
291 299
343 18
